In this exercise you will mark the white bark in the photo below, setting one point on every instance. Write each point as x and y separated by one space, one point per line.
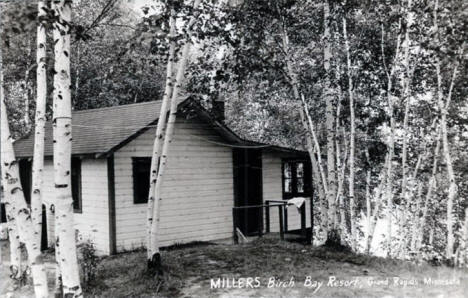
168 139
378 202
62 121
406 85
391 141
16 203
328 95
27 88
38 158
368 210
452 192
443 109
15 245
428 198
414 227
464 249
352 138
159 137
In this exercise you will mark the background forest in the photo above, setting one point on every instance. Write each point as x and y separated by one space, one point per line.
375 91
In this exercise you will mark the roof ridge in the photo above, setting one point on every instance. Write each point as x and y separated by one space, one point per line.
116 107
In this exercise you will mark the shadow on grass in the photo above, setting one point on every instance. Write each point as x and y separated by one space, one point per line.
188 268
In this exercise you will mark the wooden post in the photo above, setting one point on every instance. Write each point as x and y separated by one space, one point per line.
267 216
260 221
303 221
285 210
280 211
312 212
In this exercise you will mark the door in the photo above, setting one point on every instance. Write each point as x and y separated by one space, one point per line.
248 190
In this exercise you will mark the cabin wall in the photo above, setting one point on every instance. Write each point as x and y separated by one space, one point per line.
273 190
197 191
93 222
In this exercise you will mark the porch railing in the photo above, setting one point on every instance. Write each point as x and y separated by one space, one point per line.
282 217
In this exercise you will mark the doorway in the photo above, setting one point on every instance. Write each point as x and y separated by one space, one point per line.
248 190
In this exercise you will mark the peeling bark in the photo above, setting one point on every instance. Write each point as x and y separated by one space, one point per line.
391 142
428 198
19 212
62 126
328 95
38 158
352 139
159 137
154 262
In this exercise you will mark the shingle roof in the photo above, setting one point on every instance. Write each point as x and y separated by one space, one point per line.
102 131
98 130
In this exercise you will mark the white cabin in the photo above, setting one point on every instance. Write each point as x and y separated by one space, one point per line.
209 171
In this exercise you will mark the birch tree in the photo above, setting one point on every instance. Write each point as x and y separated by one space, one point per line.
329 97
38 158
154 261
65 238
18 211
159 137
391 138
443 101
352 137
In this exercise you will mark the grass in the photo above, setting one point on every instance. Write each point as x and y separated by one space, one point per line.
189 270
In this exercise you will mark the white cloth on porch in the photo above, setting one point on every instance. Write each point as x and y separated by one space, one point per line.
298 201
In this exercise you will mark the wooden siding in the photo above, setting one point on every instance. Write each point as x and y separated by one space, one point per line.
197 190
92 223
273 190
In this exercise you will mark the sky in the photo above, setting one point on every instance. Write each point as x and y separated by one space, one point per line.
137 5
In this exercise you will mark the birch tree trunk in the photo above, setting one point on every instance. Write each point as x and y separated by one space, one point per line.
368 210
38 158
428 198
391 141
62 125
159 137
14 241
452 192
406 82
154 263
443 108
27 88
352 138
317 166
328 96
378 202
16 203
464 248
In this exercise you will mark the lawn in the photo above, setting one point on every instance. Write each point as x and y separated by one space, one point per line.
267 268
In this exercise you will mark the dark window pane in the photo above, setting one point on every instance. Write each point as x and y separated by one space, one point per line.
287 170
25 168
3 217
299 170
141 176
300 185
288 185
76 183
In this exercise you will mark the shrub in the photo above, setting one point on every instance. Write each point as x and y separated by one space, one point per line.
89 262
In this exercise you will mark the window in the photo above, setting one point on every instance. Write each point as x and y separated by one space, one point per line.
141 176
3 217
296 179
76 184
25 172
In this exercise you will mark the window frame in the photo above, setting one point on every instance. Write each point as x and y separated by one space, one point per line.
294 178
136 186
